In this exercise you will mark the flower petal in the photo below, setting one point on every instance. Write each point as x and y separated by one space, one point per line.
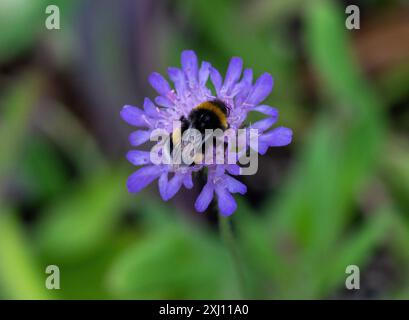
190 66
150 108
164 102
235 186
233 169
226 202
277 137
270 111
264 124
174 185
159 83
262 148
204 198
187 180
204 73
242 89
134 116
260 90
142 178
163 185
232 75
138 157
247 77
139 137
179 79
217 171
216 78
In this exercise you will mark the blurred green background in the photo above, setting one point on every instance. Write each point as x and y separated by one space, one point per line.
337 196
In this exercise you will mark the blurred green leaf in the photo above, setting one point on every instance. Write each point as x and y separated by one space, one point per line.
42 168
395 170
314 207
335 166
266 13
16 15
172 259
85 278
15 108
20 275
84 217
395 84
173 262
76 142
399 248
356 249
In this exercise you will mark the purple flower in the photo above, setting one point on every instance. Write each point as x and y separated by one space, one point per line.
189 90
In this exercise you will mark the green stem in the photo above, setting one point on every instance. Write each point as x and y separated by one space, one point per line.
226 234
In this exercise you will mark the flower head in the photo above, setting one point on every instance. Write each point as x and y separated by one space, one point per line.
239 94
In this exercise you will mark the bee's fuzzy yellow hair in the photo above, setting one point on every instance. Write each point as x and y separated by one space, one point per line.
208 105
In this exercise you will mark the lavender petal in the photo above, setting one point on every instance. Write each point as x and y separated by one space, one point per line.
262 148
142 178
216 79
139 137
159 83
163 184
277 137
174 185
263 125
134 116
179 79
267 110
235 186
190 66
204 73
150 108
233 169
226 202
260 90
204 198
242 89
138 157
233 74
187 180
163 102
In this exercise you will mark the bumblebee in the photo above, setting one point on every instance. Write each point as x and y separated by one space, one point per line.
207 115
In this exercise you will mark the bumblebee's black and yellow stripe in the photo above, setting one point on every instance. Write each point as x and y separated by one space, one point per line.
207 115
